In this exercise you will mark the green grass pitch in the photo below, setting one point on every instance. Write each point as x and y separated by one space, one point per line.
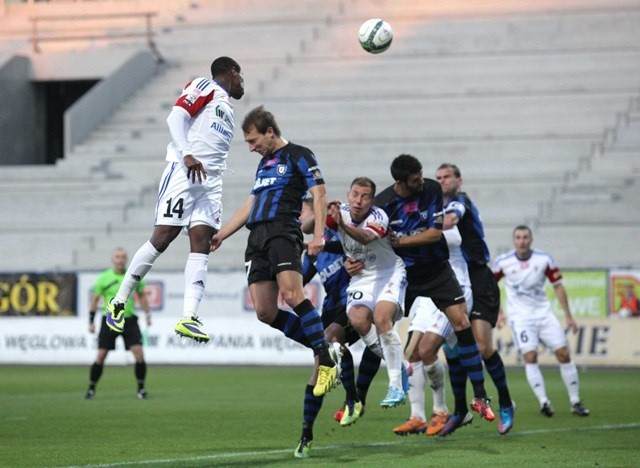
251 416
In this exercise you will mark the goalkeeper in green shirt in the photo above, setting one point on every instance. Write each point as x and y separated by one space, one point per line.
106 286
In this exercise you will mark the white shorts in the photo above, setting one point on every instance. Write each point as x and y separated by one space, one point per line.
369 292
426 317
529 332
184 203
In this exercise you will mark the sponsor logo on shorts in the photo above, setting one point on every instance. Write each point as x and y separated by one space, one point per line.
284 264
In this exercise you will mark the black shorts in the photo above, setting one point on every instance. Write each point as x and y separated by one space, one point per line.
131 334
272 247
438 283
339 316
486 294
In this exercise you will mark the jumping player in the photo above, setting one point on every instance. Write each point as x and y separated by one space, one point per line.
201 124
274 248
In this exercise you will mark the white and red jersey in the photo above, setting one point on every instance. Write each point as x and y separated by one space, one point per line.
525 280
210 124
378 256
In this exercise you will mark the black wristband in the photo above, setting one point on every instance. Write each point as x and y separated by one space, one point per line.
92 315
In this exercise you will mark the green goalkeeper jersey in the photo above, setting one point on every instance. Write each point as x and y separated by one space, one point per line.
107 285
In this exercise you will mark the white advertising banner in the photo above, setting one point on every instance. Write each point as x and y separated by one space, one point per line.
241 340
237 337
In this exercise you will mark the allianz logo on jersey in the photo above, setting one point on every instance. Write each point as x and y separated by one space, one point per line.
225 134
264 182
223 115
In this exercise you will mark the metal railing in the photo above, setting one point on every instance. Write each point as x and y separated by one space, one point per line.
37 38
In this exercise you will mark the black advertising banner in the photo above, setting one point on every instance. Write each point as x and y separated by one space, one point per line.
38 294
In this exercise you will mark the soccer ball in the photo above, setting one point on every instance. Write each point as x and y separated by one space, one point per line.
375 36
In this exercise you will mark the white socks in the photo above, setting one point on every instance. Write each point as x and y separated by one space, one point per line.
536 382
195 280
433 375
140 265
392 349
417 383
569 373
372 342
435 378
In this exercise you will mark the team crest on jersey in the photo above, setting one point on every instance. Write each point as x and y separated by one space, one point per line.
281 169
192 97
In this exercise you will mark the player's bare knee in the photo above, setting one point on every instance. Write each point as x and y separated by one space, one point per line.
334 332
292 297
413 355
383 323
102 356
200 238
162 236
428 355
485 348
458 318
428 348
531 357
563 355
266 314
360 323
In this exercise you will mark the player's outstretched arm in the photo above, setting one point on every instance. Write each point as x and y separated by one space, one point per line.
429 236
363 236
238 220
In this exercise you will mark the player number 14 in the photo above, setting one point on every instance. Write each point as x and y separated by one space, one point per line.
178 208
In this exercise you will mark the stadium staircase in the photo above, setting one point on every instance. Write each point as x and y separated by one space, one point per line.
537 104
